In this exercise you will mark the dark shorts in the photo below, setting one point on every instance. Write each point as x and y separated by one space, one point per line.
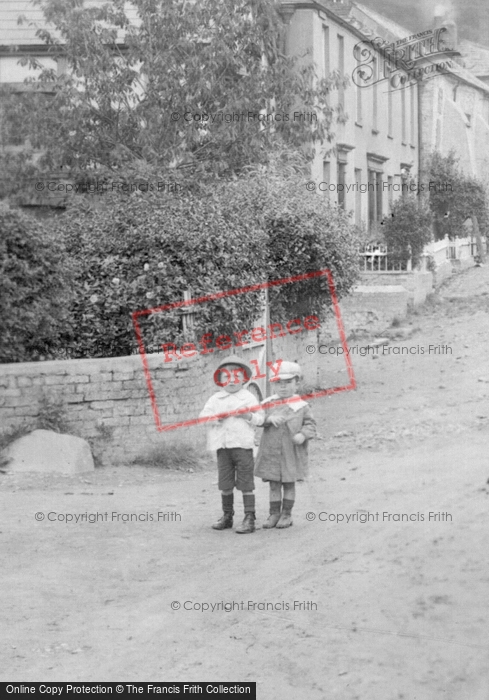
235 468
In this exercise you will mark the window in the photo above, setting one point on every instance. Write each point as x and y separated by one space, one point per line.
390 188
358 197
374 97
389 109
62 66
374 197
341 69
403 114
413 113
341 180
326 176
358 94
405 178
326 66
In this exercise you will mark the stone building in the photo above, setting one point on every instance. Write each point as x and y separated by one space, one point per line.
391 126
376 150
454 102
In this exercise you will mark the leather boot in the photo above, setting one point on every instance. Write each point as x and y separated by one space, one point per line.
248 524
285 520
286 515
274 516
225 522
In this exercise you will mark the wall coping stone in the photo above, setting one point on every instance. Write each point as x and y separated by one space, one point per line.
380 289
94 365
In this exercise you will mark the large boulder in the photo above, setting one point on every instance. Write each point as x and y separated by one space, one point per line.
48 452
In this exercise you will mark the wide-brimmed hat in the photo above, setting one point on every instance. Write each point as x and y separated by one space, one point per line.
236 360
287 370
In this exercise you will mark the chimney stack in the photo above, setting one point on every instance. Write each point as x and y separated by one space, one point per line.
444 17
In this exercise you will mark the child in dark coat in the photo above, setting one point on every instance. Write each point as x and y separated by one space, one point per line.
282 455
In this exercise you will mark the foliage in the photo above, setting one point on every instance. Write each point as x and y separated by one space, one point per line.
158 100
143 251
52 414
71 292
173 455
408 230
464 196
304 234
33 283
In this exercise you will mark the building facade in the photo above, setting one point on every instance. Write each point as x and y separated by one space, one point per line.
391 127
453 102
375 151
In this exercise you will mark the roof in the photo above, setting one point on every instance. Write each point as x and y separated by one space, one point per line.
476 57
371 23
13 34
339 7
375 21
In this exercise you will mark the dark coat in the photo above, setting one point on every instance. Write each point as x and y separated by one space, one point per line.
278 458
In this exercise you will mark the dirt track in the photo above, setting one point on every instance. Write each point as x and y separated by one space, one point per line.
401 606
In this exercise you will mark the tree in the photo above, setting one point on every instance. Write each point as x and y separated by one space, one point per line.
193 87
408 230
454 196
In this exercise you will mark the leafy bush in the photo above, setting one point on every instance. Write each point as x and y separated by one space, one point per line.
452 205
33 281
144 250
71 291
408 230
304 233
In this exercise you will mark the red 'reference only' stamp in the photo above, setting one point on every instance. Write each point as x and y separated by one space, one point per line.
207 344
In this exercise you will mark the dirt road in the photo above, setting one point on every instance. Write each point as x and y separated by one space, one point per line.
390 609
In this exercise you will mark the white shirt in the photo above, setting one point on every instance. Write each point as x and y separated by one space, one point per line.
234 431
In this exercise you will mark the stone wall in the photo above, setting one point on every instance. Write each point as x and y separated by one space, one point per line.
418 284
372 308
107 400
294 348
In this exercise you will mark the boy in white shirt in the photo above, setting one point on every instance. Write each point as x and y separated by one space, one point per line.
233 438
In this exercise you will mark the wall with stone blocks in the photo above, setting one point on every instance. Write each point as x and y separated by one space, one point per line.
442 272
107 400
293 348
108 397
370 309
418 284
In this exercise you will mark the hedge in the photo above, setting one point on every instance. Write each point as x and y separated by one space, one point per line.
130 252
34 278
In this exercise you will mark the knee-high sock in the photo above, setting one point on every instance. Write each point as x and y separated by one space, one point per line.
249 502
